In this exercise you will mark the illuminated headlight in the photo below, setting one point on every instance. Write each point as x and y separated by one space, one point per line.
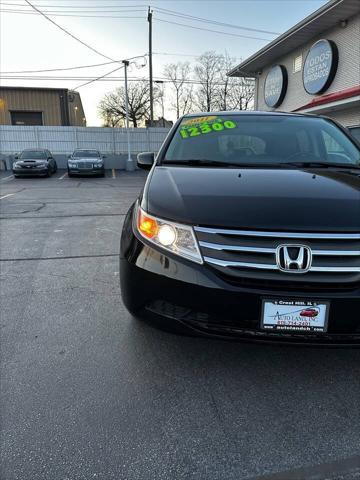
98 165
176 238
16 165
72 164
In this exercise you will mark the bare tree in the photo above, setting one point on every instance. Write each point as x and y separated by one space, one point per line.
241 93
112 108
208 72
178 74
224 99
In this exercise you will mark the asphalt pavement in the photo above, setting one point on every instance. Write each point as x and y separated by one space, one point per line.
88 392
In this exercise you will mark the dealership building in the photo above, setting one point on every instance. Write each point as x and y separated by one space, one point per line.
41 106
312 68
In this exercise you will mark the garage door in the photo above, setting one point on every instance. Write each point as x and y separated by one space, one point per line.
26 118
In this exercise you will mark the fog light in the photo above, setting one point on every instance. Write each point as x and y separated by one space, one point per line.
166 235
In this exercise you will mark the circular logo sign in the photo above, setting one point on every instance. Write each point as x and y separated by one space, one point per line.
320 66
275 86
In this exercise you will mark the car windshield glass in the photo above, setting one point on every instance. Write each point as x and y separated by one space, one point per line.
86 153
251 140
33 155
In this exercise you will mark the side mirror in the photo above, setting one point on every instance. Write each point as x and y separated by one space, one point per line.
103 156
69 156
145 160
16 157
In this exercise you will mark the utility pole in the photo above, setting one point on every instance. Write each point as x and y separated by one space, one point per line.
150 68
129 163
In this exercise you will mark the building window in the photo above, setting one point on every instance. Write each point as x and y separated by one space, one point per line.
297 65
26 118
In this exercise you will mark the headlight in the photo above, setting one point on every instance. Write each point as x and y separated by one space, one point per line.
176 238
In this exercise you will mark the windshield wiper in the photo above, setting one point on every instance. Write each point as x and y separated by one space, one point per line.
202 162
216 163
321 165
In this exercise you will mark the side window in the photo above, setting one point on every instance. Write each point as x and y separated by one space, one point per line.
331 145
355 132
335 151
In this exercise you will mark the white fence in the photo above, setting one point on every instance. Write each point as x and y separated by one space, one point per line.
63 140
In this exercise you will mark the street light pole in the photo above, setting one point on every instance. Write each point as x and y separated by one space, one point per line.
151 68
160 82
129 163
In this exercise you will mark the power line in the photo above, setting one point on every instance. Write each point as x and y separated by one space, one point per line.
213 31
201 1
99 78
111 79
161 11
96 64
68 33
62 69
53 14
108 73
173 13
75 6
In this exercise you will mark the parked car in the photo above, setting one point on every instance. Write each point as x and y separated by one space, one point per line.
34 161
86 162
245 220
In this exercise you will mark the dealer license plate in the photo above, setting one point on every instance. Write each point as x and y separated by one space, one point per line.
294 315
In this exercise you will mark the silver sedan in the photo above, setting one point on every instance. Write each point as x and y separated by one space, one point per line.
86 162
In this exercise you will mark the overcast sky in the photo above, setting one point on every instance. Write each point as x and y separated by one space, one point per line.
31 42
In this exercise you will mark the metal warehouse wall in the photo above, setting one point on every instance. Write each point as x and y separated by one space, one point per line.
348 74
65 139
33 100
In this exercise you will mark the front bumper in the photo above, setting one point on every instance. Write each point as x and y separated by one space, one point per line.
86 171
31 171
177 293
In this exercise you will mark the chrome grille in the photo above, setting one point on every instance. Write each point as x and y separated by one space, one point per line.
85 165
252 254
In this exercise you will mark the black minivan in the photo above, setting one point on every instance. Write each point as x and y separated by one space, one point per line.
248 227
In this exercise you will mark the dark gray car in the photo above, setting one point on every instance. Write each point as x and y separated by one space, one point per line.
86 162
34 161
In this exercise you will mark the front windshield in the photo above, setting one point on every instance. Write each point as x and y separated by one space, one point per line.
86 153
260 139
33 155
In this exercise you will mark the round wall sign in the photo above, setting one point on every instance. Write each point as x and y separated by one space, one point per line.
275 86
320 66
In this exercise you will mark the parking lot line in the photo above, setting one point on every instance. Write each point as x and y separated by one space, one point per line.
113 173
63 176
8 195
7 178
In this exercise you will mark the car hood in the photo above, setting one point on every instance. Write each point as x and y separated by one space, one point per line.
269 199
31 161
